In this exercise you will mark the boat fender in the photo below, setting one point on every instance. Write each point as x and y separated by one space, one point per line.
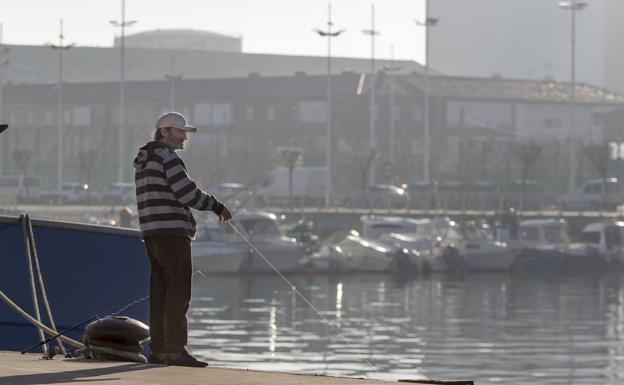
117 329
115 338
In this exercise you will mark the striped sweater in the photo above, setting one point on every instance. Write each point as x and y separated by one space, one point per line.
165 193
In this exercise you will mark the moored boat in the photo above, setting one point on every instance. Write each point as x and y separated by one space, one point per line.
603 243
261 229
470 246
213 254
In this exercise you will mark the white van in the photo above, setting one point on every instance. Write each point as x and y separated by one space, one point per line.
308 186
594 194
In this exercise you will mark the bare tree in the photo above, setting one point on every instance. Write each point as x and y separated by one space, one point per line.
289 157
527 154
22 158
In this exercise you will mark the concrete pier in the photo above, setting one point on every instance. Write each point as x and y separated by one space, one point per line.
30 369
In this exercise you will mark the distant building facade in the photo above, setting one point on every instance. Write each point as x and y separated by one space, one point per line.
40 64
474 125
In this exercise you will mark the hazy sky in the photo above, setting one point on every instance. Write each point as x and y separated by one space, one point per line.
272 26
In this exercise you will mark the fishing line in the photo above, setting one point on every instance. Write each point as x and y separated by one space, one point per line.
294 288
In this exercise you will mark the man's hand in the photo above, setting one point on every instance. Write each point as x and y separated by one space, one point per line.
225 215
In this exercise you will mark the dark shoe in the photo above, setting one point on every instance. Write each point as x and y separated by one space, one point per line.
154 359
186 360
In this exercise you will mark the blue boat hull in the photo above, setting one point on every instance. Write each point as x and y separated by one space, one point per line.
87 270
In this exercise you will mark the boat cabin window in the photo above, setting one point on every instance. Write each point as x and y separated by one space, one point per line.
260 226
475 232
553 234
529 233
591 237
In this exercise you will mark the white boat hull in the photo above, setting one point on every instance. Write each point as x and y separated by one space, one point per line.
209 257
284 259
489 258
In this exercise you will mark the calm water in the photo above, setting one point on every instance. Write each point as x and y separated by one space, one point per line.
493 328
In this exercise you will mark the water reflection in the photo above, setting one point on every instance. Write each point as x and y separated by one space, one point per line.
492 328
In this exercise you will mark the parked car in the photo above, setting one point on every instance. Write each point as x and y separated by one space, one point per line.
594 194
116 193
71 193
378 196
19 188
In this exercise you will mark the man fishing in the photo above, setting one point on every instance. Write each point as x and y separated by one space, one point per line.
165 195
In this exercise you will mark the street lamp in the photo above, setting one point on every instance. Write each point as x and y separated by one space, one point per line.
391 70
372 143
61 113
122 92
173 78
572 6
429 22
328 110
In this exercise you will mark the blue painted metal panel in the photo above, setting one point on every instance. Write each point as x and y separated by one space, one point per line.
87 270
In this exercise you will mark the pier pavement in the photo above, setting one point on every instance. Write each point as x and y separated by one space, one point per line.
30 369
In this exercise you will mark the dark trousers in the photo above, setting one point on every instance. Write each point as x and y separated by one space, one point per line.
170 292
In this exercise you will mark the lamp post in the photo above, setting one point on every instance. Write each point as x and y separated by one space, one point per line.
173 78
573 6
61 113
429 21
4 62
372 142
122 91
391 70
328 108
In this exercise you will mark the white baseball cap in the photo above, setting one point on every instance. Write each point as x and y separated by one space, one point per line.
176 120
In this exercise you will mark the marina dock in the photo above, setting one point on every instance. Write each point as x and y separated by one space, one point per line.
30 369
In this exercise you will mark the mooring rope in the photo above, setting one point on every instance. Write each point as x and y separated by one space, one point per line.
33 287
305 299
42 289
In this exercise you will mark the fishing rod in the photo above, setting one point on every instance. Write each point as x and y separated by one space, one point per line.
97 316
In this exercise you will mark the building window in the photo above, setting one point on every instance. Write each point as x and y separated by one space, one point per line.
48 119
249 113
396 113
82 116
270 113
294 112
222 114
312 112
417 113
552 123
213 114
202 114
